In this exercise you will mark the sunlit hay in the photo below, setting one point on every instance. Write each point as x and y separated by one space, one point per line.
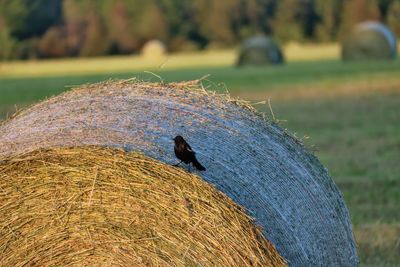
105 207
369 41
154 49
253 161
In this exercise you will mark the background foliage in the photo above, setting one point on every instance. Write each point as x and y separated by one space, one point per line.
73 28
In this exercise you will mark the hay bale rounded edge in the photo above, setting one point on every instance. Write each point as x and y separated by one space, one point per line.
253 161
259 51
104 207
369 40
154 49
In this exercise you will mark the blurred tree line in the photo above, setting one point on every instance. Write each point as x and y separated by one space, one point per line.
74 28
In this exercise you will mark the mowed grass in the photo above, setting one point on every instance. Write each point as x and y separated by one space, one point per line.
358 139
118 64
350 112
315 77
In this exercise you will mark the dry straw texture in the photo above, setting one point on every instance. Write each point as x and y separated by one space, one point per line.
103 207
253 161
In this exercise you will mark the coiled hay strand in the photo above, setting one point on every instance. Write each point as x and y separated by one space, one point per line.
105 207
253 161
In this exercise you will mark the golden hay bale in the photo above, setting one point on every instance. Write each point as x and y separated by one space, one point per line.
368 41
253 161
154 49
104 207
259 51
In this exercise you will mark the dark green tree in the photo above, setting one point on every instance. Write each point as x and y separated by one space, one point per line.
329 12
393 17
286 24
53 28
28 19
384 6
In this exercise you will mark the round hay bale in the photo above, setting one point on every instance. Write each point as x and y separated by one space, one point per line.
369 40
154 49
258 51
93 206
253 161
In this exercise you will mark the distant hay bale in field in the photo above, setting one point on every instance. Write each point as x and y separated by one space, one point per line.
104 207
253 161
260 50
154 49
369 40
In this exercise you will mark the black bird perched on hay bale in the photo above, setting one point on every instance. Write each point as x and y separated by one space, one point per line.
286 188
184 152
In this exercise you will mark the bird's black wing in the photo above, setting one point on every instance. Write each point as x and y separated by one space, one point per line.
189 148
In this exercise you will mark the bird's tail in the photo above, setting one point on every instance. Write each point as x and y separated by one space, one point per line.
198 165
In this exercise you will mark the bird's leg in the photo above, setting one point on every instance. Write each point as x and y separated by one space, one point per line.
176 165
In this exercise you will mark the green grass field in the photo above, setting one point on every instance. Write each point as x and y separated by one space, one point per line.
118 64
350 112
